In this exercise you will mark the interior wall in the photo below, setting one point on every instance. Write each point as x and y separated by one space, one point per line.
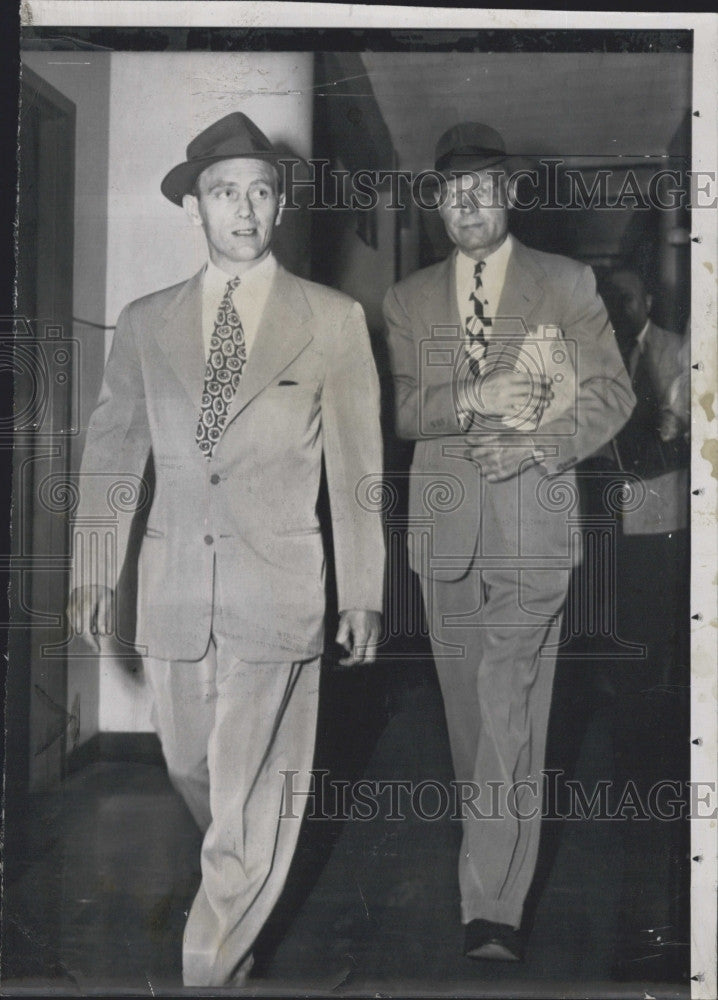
348 262
86 82
158 102
358 251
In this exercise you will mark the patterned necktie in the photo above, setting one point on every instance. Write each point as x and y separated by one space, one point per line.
227 357
477 324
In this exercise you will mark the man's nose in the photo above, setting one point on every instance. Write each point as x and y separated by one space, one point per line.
244 207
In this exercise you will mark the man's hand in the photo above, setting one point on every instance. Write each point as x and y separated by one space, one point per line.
359 632
504 392
90 613
501 456
669 426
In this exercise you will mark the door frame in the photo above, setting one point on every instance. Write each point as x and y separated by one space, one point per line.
44 362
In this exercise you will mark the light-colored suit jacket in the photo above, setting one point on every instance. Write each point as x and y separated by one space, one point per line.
234 543
532 513
665 505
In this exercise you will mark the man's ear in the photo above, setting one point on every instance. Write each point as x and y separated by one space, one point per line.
190 204
281 202
437 194
508 197
649 303
509 192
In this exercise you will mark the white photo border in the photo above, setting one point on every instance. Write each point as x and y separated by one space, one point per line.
704 267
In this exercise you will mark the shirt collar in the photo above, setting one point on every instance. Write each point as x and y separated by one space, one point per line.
215 279
499 258
641 338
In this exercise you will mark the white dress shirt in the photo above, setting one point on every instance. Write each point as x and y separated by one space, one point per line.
492 281
638 349
249 297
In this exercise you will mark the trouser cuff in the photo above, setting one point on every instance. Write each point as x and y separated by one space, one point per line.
496 910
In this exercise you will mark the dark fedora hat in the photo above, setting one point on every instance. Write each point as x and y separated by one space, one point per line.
233 137
468 146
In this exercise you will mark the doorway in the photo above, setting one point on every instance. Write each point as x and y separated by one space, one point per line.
43 360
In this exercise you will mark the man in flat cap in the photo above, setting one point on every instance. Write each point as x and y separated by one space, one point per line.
241 382
506 374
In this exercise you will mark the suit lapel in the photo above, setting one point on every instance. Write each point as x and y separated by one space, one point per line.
440 291
523 287
283 334
180 337
521 296
443 325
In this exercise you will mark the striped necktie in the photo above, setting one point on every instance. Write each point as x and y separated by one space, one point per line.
227 357
477 324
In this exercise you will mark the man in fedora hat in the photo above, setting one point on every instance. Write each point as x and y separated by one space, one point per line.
242 382
506 374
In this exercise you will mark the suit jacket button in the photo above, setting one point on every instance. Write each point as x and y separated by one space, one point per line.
214 478
209 540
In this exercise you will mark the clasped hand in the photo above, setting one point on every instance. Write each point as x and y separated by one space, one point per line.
669 426
504 392
501 456
501 393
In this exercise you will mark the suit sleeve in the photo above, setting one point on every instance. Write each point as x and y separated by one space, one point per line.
669 370
111 484
604 397
421 410
353 456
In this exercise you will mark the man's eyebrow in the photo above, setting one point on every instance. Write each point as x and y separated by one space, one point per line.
222 184
236 185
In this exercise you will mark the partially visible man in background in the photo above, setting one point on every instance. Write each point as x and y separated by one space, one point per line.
650 694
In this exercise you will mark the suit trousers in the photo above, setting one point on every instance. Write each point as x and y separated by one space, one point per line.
229 729
494 636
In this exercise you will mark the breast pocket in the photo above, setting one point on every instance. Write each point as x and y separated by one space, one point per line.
289 400
284 416
289 387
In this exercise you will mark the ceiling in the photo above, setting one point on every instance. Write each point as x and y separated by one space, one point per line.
575 105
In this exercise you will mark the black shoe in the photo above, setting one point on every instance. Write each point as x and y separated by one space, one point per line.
485 939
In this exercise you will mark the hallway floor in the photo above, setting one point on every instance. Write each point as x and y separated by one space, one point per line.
371 908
